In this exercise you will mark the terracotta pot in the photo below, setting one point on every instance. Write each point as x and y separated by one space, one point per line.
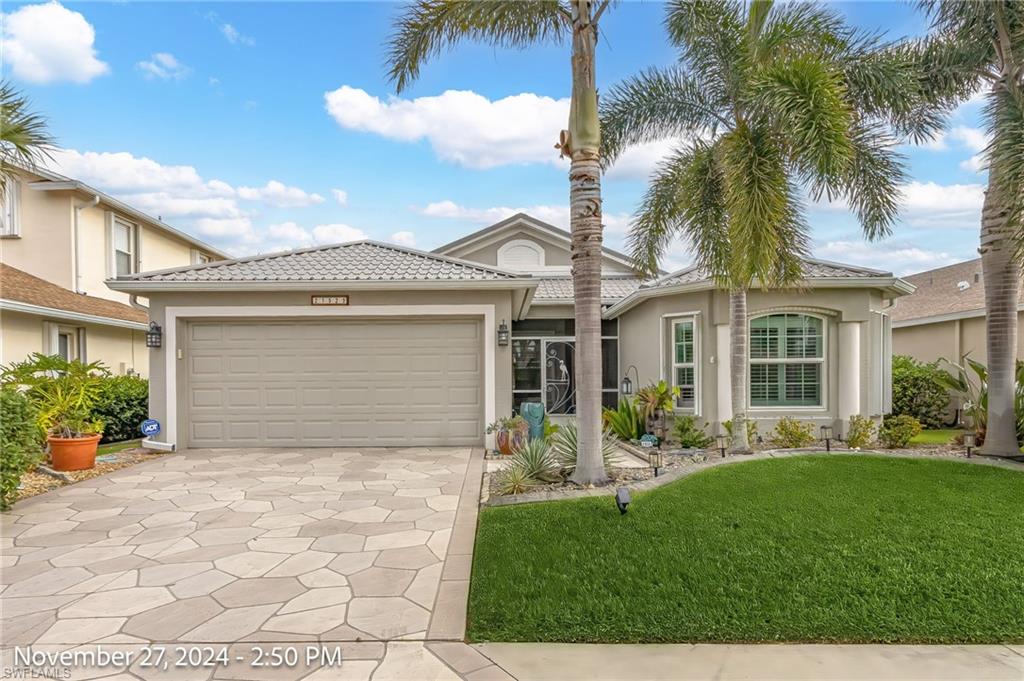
504 442
519 438
73 453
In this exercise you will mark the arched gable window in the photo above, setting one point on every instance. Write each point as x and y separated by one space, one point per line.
787 360
521 254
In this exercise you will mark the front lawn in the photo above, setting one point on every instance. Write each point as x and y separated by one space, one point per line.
939 436
814 548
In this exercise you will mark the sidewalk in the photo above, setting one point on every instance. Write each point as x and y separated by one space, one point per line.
565 662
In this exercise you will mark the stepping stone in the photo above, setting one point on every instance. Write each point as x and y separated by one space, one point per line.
80 631
231 625
301 563
387 618
309 621
379 581
244 592
317 598
250 563
170 621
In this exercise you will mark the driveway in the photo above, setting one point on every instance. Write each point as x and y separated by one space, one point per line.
232 547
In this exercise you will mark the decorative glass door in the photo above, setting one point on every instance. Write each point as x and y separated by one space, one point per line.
559 377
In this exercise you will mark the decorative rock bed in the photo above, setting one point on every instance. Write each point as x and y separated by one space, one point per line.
43 478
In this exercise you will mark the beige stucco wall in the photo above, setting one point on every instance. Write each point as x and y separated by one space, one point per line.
555 254
948 340
645 341
120 349
44 247
501 300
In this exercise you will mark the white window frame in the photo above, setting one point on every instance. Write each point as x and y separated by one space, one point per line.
133 245
822 361
11 226
693 364
200 258
668 361
73 341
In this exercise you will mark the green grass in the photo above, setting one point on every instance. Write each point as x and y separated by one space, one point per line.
939 436
112 447
840 548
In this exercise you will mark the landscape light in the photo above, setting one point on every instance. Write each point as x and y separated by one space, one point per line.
654 458
969 442
721 443
826 435
622 499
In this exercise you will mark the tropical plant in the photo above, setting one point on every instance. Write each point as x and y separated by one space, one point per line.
565 446
24 138
792 434
514 480
689 435
897 431
751 428
772 99
917 391
625 421
970 383
536 461
428 27
122 405
861 432
654 398
20 443
508 424
63 392
979 46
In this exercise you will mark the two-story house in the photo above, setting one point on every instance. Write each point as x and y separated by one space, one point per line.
59 241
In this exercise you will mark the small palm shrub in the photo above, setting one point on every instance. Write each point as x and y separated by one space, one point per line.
20 443
751 429
625 421
792 434
689 435
536 460
514 480
862 432
564 446
898 431
63 392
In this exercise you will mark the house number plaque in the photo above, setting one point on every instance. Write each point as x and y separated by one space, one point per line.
329 300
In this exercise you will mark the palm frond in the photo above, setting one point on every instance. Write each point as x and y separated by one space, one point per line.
24 137
710 37
654 105
428 27
872 185
800 28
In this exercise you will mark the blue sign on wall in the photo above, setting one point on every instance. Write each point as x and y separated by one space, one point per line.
150 427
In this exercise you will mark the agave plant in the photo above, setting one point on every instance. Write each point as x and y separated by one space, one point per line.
564 446
514 480
625 421
536 460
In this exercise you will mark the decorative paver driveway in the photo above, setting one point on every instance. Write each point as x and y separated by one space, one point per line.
236 546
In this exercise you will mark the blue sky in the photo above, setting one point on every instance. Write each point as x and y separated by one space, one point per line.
261 126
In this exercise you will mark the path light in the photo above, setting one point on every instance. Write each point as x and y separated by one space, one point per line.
154 337
654 458
622 499
627 385
503 334
826 435
969 443
721 442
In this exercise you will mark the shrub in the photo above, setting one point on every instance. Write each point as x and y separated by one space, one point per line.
514 480
122 405
656 397
63 392
862 432
20 443
918 391
898 431
751 429
625 421
564 446
792 434
973 391
536 461
689 435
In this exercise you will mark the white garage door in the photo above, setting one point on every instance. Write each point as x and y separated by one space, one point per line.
335 383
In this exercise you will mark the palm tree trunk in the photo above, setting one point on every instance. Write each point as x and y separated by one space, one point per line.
738 369
1002 289
582 143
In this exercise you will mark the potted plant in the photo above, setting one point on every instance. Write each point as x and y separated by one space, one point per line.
510 433
64 393
654 402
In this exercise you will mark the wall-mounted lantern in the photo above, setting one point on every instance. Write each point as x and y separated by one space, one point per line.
155 335
627 385
503 334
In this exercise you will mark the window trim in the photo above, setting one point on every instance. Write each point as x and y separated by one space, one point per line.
12 194
133 245
668 372
822 361
543 377
201 258
692 364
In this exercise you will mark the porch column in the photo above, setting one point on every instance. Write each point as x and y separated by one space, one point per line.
849 372
722 388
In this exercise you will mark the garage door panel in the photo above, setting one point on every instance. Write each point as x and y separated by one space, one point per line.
335 383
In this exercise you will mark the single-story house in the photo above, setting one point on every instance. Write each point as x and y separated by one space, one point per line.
373 344
944 318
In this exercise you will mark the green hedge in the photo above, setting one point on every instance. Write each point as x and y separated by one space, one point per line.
916 392
20 443
123 405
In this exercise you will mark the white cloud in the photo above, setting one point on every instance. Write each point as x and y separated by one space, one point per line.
461 126
336 233
278 194
929 204
341 196
165 66
975 164
234 36
899 258
45 43
404 239
974 139
615 223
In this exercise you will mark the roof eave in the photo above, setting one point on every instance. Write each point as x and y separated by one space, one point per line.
136 286
68 315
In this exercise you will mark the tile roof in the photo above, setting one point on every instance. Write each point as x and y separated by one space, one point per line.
813 269
942 291
355 261
22 287
560 289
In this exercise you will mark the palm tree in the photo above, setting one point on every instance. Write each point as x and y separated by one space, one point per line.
429 26
770 100
24 139
976 45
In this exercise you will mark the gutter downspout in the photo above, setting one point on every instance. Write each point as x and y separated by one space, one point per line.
95 201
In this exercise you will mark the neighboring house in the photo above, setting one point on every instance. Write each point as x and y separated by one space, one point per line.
945 317
371 344
59 241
